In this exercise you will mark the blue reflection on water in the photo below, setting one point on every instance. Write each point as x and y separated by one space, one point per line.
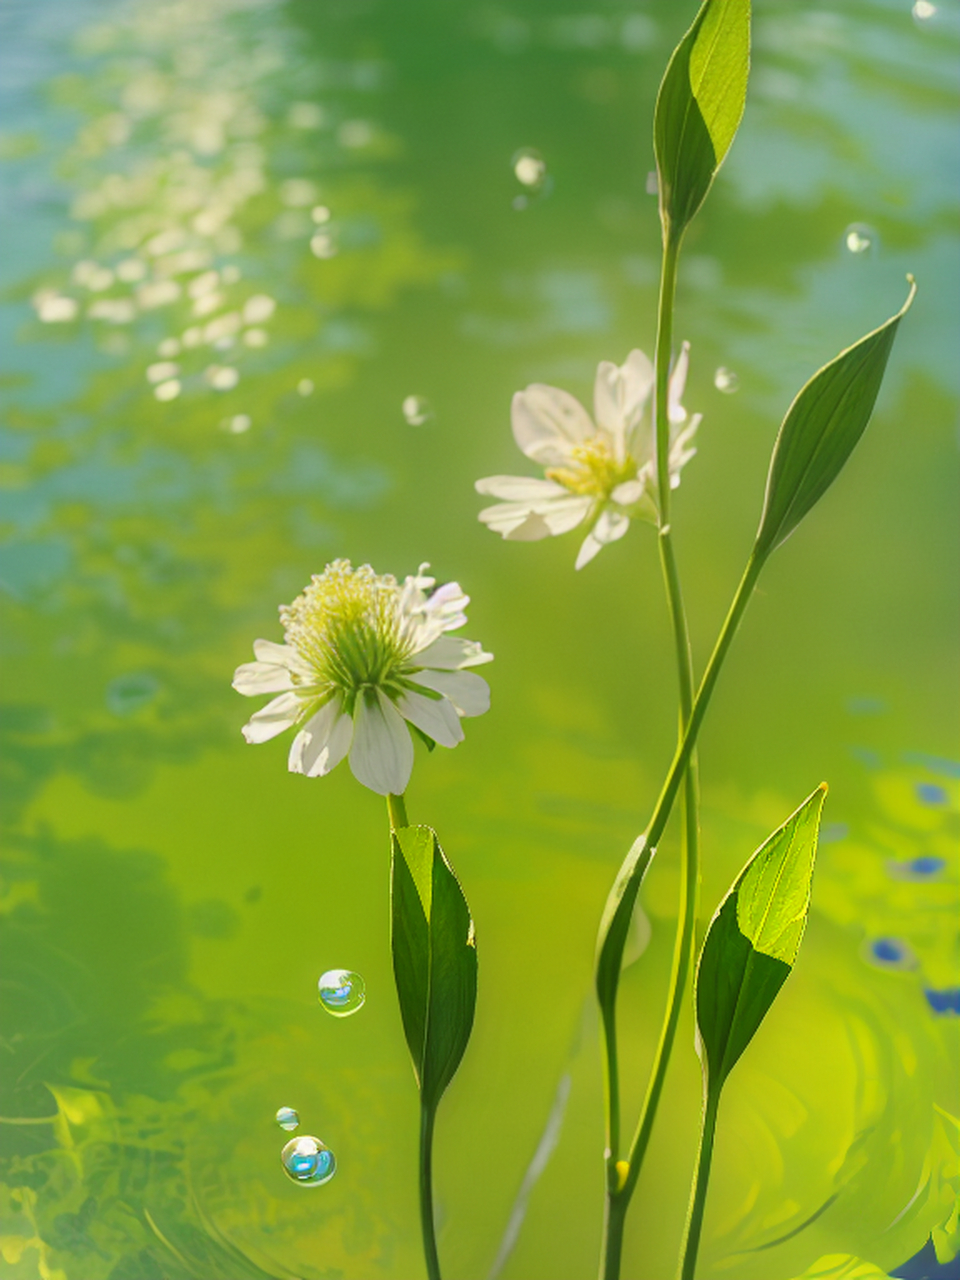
944 1001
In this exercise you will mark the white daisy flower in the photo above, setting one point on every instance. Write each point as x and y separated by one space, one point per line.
601 474
363 655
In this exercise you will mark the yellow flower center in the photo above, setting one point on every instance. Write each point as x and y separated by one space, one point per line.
346 625
594 470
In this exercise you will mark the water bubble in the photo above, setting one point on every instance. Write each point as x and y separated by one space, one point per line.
308 1162
529 168
417 410
341 992
860 239
726 380
287 1118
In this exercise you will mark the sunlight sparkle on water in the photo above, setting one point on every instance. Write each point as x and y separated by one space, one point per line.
288 1118
341 992
860 239
726 380
308 1162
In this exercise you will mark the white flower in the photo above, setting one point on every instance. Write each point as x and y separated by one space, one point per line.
362 655
602 474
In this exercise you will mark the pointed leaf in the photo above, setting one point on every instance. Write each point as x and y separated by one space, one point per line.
699 107
615 922
821 428
753 940
434 958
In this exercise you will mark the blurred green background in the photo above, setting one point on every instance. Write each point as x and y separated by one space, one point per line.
239 234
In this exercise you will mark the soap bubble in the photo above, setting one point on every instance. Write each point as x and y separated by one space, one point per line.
341 992
417 410
287 1118
861 240
726 380
308 1162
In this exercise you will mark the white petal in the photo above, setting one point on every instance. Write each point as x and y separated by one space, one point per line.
531 529
452 653
519 488
446 607
620 392
261 677
323 741
469 693
589 548
272 719
611 526
268 651
546 422
435 716
381 756
678 380
564 514
629 492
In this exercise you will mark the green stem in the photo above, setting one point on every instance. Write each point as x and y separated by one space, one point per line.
698 1196
615 1217
397 810
668 290
426 1192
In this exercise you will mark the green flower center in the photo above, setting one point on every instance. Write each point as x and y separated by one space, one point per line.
347 627
594 470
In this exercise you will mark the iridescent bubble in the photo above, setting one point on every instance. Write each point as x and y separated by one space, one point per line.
341 992
417 410
287 1118
861 239
726 380
308 1162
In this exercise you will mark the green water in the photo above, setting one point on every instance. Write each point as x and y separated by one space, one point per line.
171 895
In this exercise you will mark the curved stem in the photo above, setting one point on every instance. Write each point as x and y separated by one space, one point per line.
426 1192
397 810
698 1197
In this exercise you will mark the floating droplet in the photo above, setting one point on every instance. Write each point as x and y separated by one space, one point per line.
308 1162
529 167
417 410
726 380
341 992
860 239
287 1118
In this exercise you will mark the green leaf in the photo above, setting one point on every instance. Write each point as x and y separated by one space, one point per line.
821 428
615 922
753 940
699 107
434 958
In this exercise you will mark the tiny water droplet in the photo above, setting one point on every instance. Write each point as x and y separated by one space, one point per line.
287 1118
726 380
308 1162
341 992
860 239
529 167
417 410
